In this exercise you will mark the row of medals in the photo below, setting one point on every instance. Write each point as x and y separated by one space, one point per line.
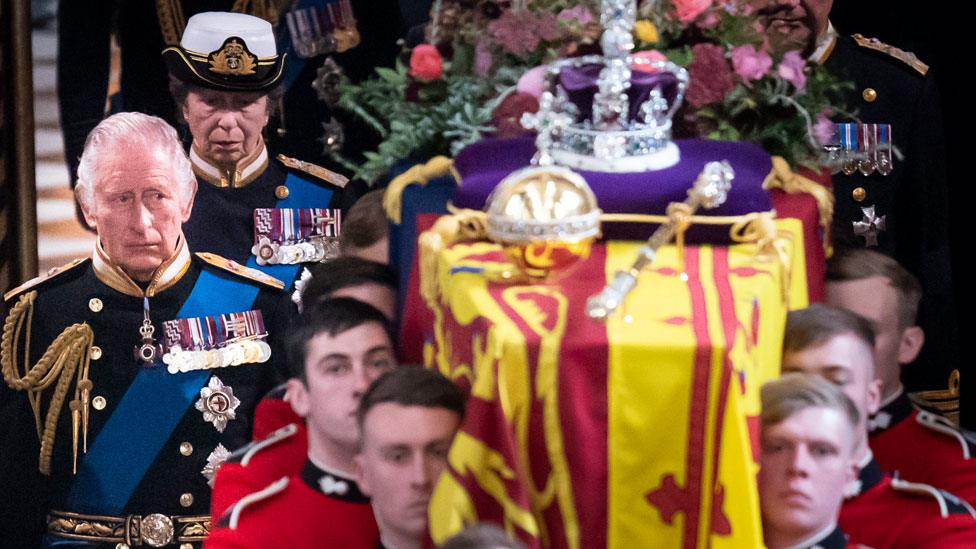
320 30
268 252
235 353
867 153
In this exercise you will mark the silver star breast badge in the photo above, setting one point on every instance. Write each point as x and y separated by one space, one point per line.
218 403
214 461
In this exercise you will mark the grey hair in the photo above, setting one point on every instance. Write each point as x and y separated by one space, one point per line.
128 128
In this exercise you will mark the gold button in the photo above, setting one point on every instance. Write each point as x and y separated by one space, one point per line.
95 304
186 546
859 194
186 499
281 132
869 95
99 403
186 448
96 352
281 192
121 546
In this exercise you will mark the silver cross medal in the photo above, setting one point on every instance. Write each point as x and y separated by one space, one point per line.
869 226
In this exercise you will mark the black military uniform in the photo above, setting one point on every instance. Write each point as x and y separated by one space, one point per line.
223 210
246 59
139 471
893 87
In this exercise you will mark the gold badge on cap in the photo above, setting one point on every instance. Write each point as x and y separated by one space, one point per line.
233 59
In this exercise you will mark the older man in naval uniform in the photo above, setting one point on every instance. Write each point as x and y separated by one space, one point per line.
129 373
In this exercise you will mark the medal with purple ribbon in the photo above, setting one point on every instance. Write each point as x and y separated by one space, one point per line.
208 342
866 148
295 235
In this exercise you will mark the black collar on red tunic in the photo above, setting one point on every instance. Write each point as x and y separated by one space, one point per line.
835 540
891 414
331 484
869 477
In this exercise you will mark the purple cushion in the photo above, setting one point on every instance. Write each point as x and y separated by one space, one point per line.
484 164
581 86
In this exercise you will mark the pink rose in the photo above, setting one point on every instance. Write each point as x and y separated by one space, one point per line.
710 76
532 82
749 63
426 63
651 56
689 10
823 129
708 21
791 69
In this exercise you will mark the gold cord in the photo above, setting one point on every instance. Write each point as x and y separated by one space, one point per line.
67 356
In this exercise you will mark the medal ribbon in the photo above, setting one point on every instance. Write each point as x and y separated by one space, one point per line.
150 410
301 193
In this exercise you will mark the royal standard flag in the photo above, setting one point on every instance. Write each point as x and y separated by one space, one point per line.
638 432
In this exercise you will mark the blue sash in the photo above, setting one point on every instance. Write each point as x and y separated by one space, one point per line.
151 408
302 193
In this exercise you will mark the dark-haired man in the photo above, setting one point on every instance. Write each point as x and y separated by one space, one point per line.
362 279
343 346
407 421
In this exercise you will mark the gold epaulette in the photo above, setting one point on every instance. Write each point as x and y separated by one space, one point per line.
241 270
43 278
324 174
905 57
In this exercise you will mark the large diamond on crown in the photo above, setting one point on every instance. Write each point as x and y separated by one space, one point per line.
610 113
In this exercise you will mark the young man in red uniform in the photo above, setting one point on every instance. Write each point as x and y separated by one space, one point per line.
919 445
881 511
334 357
809 434
407 421
280 445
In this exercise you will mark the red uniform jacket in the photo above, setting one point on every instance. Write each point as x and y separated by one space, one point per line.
891 513
923 447
273 413
313 509
258 464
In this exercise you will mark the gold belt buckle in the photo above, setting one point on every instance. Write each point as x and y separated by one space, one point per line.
156 530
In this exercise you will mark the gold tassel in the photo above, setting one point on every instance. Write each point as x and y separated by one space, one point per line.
66 358
420 174
783 178
461 225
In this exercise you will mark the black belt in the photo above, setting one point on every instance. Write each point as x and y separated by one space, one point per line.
154 530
